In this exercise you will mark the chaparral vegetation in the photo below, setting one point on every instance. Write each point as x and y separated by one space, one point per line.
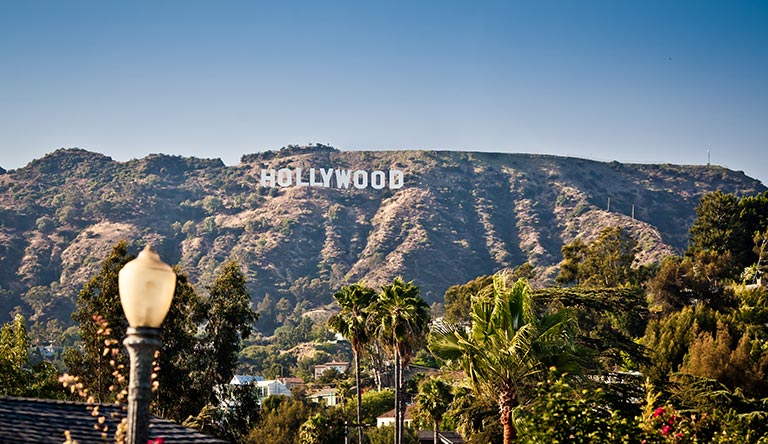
611 351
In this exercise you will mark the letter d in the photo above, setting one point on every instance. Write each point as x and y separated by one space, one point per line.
395 179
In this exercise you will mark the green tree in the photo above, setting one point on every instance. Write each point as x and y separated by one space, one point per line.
727 224
180 393
435 398
280 421
330 376
476 417
229 319
385 435
375 403
668 339
98 305
458 298
609 259
352 323
609 321
190 366
574 254
606 262
402 317
323 428
717 216
702 276
289 335
14 355
18 376
562 414
98 302
267 313
311 430
507 348
724 354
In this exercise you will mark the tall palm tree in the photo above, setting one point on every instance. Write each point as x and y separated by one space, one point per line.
352 322
506 348
435 398
402 320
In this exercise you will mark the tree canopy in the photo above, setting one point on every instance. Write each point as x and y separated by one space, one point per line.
190 365
19 376
726 224
606 262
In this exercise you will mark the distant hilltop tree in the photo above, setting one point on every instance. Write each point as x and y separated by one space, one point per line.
289 150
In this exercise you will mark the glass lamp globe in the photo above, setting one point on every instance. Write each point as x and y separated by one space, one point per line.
146 286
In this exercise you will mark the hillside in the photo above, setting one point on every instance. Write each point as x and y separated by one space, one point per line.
457 215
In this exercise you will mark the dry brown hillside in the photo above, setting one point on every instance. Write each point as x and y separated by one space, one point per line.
457 215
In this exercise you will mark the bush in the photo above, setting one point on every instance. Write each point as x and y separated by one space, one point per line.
386 434
562 414
45 224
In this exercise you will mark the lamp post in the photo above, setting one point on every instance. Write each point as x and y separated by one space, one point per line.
146 286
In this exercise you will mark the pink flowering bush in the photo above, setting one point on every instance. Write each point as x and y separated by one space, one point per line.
666 425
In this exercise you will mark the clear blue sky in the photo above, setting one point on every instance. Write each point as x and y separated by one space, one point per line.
633 81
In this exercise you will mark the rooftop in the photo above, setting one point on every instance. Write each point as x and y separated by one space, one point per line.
427 436
42 421
391 414
245 379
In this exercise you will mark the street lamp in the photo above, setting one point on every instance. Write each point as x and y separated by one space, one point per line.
146 287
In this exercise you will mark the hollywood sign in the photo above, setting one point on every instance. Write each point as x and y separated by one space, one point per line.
331 178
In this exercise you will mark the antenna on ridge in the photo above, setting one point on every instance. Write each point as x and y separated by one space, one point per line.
708 157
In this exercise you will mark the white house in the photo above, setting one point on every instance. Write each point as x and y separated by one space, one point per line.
272 387
388 418
266 388
245 379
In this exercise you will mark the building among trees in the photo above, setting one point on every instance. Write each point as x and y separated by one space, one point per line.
339 366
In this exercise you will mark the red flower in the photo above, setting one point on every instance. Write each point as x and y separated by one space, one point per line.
665 430
672 420
156 441
658 412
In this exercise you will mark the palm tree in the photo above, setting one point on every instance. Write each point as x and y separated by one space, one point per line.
435 397
402 319
352 323
506 348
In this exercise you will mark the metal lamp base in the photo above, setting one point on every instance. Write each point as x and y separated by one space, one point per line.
141 343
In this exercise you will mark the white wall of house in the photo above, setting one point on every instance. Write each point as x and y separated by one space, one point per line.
390 421
273 388
266 388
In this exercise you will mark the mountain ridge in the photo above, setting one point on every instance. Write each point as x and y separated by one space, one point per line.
458 215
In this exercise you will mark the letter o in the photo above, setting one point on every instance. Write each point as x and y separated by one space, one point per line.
284 177
378 180
360 179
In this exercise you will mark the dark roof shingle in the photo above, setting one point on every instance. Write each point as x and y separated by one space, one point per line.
24 420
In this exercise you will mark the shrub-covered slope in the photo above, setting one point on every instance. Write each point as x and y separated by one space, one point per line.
457 215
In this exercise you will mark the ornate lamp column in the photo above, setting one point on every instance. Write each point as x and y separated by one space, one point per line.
146 289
